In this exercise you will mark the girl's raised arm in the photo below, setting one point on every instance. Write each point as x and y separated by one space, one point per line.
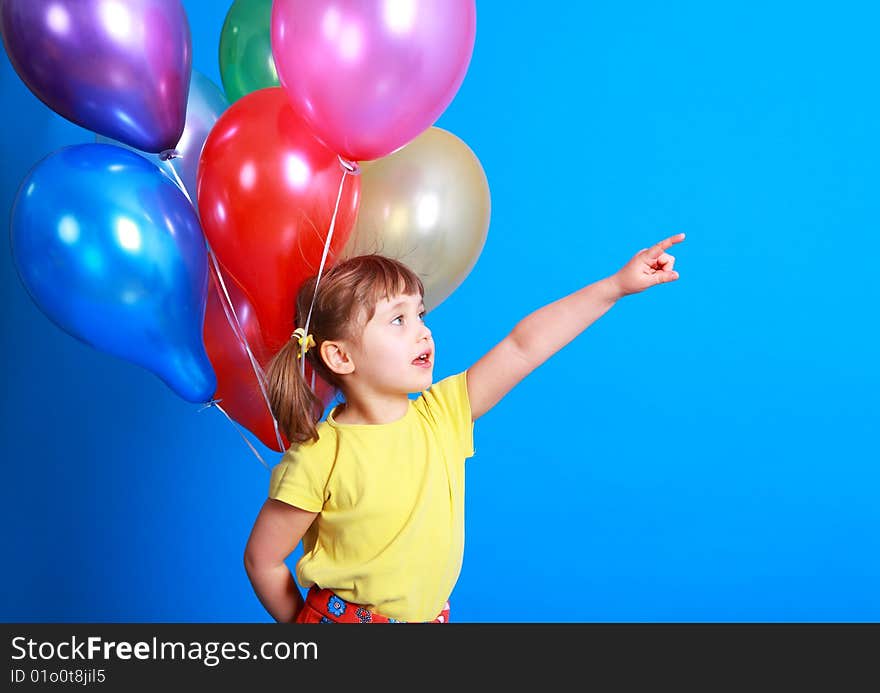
541 334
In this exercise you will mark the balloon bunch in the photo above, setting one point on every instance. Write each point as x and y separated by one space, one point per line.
179 240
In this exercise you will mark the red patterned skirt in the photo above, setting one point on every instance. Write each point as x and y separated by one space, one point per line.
323 606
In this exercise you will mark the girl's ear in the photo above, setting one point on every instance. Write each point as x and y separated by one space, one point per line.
337 359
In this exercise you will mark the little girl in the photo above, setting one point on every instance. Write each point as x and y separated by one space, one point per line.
376 491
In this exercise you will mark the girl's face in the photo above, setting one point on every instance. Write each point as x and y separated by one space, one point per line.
392 341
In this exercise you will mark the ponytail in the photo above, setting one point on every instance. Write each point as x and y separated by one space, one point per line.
294 405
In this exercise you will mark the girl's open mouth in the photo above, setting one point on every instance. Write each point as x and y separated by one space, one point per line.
423 360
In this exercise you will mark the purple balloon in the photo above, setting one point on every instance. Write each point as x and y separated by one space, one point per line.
369 77
118 67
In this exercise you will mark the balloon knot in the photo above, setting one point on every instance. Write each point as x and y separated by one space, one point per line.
350 167
169 154
208 405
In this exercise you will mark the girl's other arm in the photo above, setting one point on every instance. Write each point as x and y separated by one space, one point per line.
277 530
541 334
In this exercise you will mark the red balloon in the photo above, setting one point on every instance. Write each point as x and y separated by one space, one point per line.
237 384
266 189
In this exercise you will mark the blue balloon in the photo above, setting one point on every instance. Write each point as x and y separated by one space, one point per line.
112 252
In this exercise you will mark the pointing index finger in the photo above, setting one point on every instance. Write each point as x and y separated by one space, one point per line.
667 243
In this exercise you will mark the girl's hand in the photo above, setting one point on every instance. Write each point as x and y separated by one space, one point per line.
648 267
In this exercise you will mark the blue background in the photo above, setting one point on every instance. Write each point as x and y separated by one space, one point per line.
706 451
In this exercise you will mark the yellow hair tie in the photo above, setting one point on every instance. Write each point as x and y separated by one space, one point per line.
304 341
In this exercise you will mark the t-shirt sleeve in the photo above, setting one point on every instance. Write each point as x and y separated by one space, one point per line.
300 478
448 404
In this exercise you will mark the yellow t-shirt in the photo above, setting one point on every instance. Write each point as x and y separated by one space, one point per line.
390 533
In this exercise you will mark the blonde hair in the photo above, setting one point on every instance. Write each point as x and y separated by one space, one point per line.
346 301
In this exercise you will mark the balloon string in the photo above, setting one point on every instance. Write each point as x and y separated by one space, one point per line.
239 333
345 172
234 322
216 403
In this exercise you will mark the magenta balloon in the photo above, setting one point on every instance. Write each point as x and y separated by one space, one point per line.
370 76
120 69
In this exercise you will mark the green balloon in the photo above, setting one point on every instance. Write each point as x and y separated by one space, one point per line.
246 62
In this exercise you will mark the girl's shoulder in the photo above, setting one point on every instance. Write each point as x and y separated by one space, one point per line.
444 395
324 446
302 475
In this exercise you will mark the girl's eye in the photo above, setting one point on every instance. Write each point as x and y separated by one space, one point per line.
400 317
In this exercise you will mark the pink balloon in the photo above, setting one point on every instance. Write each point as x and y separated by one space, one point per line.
368 77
